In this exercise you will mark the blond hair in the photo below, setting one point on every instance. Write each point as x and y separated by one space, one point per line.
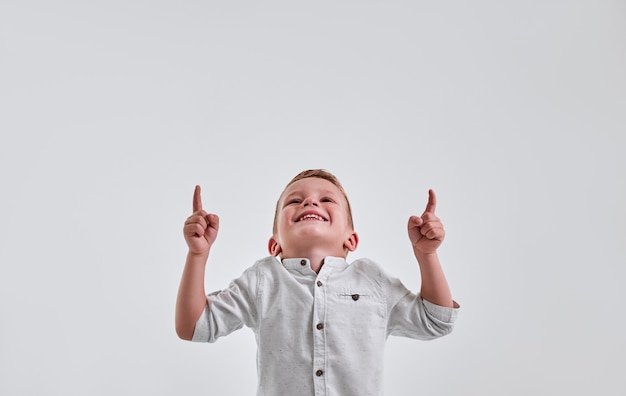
321 174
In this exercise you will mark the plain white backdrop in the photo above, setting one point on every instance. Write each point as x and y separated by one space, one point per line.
110 113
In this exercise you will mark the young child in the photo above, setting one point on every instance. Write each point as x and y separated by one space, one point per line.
320 323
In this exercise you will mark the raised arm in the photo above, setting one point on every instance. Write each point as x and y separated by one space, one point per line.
200 231
426 234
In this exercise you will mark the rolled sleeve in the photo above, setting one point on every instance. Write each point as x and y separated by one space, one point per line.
229 310
201 331
415 317
444 314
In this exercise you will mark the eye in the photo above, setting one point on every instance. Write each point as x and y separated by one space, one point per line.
293 201
326 199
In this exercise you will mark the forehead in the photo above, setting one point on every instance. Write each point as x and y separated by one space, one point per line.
312 184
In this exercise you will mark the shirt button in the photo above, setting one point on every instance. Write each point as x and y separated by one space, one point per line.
319 283
355 297
320 326
319 373
303 263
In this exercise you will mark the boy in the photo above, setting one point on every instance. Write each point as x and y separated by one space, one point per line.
320 323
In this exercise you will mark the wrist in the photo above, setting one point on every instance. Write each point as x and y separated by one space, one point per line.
426 257
196 256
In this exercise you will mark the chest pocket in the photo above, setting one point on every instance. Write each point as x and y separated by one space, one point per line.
357 309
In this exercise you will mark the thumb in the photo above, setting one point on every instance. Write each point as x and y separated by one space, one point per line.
213 221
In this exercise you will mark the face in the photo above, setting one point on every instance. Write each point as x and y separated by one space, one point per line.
313 212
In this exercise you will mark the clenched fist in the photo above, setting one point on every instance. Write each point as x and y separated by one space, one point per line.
200 229
426 232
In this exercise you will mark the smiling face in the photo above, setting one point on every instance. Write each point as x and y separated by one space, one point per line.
312 214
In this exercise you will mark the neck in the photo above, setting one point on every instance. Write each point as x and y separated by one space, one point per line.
316 263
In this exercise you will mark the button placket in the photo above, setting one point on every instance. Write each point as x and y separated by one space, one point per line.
319 335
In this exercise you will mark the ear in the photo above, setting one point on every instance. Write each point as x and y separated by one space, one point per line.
273 247
351 242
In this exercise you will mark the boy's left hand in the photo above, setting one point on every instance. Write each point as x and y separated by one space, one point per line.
426 232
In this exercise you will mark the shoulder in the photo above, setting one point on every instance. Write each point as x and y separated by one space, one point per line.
368 267
265 265
259 268
371 269
267 262
253 277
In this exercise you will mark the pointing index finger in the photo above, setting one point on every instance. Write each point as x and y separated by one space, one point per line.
197 199
432 202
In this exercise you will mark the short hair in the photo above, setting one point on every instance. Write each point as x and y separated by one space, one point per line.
321 174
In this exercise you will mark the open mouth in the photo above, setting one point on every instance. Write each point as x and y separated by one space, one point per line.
311 217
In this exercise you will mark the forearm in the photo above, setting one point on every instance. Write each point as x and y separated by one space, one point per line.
191 299
435 287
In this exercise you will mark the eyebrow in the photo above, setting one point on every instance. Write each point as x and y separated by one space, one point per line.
298 192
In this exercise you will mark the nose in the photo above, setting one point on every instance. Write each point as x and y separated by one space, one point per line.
309 202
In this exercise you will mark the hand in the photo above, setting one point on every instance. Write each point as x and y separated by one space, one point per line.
200 229
426 232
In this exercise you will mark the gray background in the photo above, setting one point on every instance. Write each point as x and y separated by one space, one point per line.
111 112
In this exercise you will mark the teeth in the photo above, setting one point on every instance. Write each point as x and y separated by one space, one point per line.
311 217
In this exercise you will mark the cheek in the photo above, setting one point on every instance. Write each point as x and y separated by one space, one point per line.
282 223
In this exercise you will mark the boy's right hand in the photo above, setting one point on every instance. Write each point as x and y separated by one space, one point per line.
200 229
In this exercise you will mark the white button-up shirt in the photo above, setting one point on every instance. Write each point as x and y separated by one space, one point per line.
320 334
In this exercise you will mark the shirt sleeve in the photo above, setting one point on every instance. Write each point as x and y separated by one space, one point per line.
413 317
230 309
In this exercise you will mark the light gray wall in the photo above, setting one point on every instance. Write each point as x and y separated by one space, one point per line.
111 112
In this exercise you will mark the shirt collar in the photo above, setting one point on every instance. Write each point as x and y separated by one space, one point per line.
303 264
